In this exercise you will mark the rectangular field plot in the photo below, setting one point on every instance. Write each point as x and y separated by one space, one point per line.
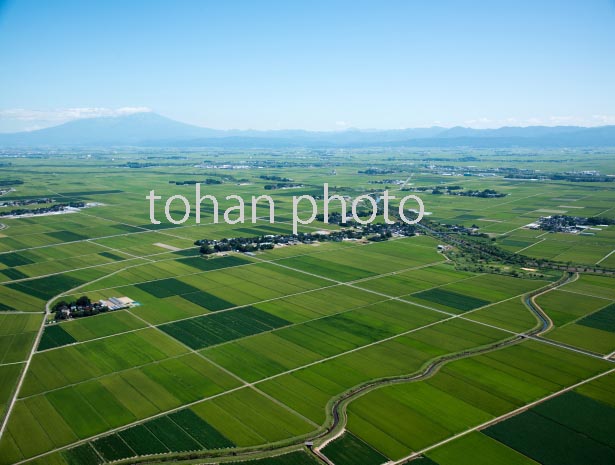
450 299
216 328
84 329
547 249
93 407
403 418
260 281
17 333
319 303
61 265
66 236
212 291
350 450
28 437
19 299
207 301
55 336
247 418
205 434
112 448
603 319
583 414
16 347
463 451
292 458
587 253
474 292
141 272
47 287
178 432
166 287
407 282
9 375
564 307
18 323
549 436
583 320
102 325
511 315
14 259
596 286
601 389
13 273
287 348
82 454
203 264
143 243
171 435
584 337
77 363
369 260
142 441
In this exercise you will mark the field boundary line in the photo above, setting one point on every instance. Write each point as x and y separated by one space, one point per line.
108 247
210 313
450 317
256 261
587 295
144 231
500 418
228 372
12 363
529 246
462 315
15 392
229 391
179 258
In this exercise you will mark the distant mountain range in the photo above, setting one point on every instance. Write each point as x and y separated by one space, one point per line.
153 130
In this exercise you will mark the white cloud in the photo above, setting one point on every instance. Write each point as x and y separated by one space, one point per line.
479 123
66 114
604 119
593 120
555 120
20 119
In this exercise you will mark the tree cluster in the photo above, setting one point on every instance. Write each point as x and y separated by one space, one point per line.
59 207
373 232
79 308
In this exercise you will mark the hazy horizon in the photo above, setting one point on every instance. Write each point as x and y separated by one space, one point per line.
316 66
93 113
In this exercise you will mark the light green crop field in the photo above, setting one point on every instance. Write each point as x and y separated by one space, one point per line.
577 314
397 344
458 397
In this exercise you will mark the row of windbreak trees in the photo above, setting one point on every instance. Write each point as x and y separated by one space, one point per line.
79 308
375 232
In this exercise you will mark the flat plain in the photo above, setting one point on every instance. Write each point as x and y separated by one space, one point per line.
235 356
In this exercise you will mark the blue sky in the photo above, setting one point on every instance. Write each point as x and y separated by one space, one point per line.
314 64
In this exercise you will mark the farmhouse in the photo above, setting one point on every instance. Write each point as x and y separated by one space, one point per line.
116 303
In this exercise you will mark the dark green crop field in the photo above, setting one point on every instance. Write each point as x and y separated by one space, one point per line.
549 442
349 450
223 327
603 319
55 336
451 299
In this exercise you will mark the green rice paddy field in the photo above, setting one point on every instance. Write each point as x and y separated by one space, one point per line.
583 313
239 352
